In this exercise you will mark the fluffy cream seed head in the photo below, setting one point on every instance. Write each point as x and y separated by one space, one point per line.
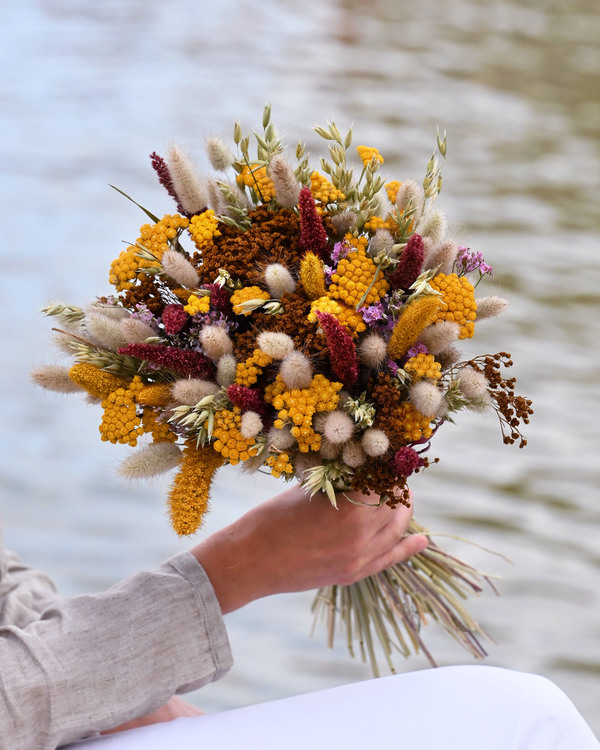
303 462
219 154
372 351
180 269
375 442
186 182
449 357
226 370
275 344
279 280
440 336
215 341
216 199
281 439
353 454
192 390
343 223
434 225
410 192
489 307
338 427
382 240
136 331
296 370
153 459
473 385
440 255
287 187
251 424
426 397
54 378
329 451
106 331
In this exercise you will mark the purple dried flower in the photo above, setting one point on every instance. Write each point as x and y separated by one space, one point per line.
468 261
340 250
372 313
417 348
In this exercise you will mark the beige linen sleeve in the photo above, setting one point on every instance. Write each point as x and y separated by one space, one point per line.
89 663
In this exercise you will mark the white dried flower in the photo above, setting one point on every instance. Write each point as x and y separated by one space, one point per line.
372 350
440 255
287 187
226 370
180 269
192 390
448 357
343 223
275 344
251 424
296 370
489 307
434 225
54 378
375 442
153 459
186 183
338 427
353 454
426 397
215 341
440 336
473 385
410 193
281 439
279 280
105 331
136 331
219 154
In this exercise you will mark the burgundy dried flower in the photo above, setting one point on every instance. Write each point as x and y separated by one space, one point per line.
174 317
164 177
342 352
313 237
247 399
183 362
410 264
220 299
406 461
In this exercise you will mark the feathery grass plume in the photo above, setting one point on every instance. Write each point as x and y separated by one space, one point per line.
187 185
54 378
338 427
372 350
312 276
215 341
440 255
440 336
192 390
410 194
409 265
96 382
287 187
426 397
296 370
448 357
434 225
353 454
251 424
375 442
328 450
407 461
164 177
174 318
226 370
110 311
414 318
181 361
489 307
279 280
219 154
473 385
277 345
382 240
105 331
216 199
342 352
180 269
189 494
280 439
343 223
150 461
313 237
136 331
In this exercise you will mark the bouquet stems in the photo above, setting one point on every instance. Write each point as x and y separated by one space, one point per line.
391 607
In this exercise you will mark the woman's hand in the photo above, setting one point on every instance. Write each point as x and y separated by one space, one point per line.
293 543
174 708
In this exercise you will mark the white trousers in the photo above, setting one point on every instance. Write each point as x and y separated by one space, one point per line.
453 708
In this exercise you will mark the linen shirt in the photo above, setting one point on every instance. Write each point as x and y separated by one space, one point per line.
71 667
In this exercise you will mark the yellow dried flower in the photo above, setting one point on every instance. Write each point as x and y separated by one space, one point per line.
414 426
243 295
460 306
424 366
96 382
155 394
376 222
415 316
188 498
280 464
323 190
247 372
120 420
229 441
367 153
347 316
161 431
257 179
203 228
392 190
197 304
353 276
312 276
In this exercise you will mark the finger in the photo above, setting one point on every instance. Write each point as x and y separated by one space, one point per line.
408 546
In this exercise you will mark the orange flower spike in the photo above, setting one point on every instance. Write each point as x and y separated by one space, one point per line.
312 276
96 382
415 317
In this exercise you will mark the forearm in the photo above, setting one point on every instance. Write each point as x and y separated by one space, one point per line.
92 662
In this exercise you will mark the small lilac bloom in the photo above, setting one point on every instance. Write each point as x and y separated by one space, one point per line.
372 313
340 250
392 366
468 261
418 348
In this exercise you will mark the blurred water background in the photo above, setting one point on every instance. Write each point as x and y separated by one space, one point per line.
88 89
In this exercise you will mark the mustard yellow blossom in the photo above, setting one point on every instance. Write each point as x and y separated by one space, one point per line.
367 153
197 305
460 306
120 420
353 276
280 464
347 316
392 189
424 366
203 228
257 179
229 441
247 372
312 276
243 295
323 190
415 316
161 431
96 382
